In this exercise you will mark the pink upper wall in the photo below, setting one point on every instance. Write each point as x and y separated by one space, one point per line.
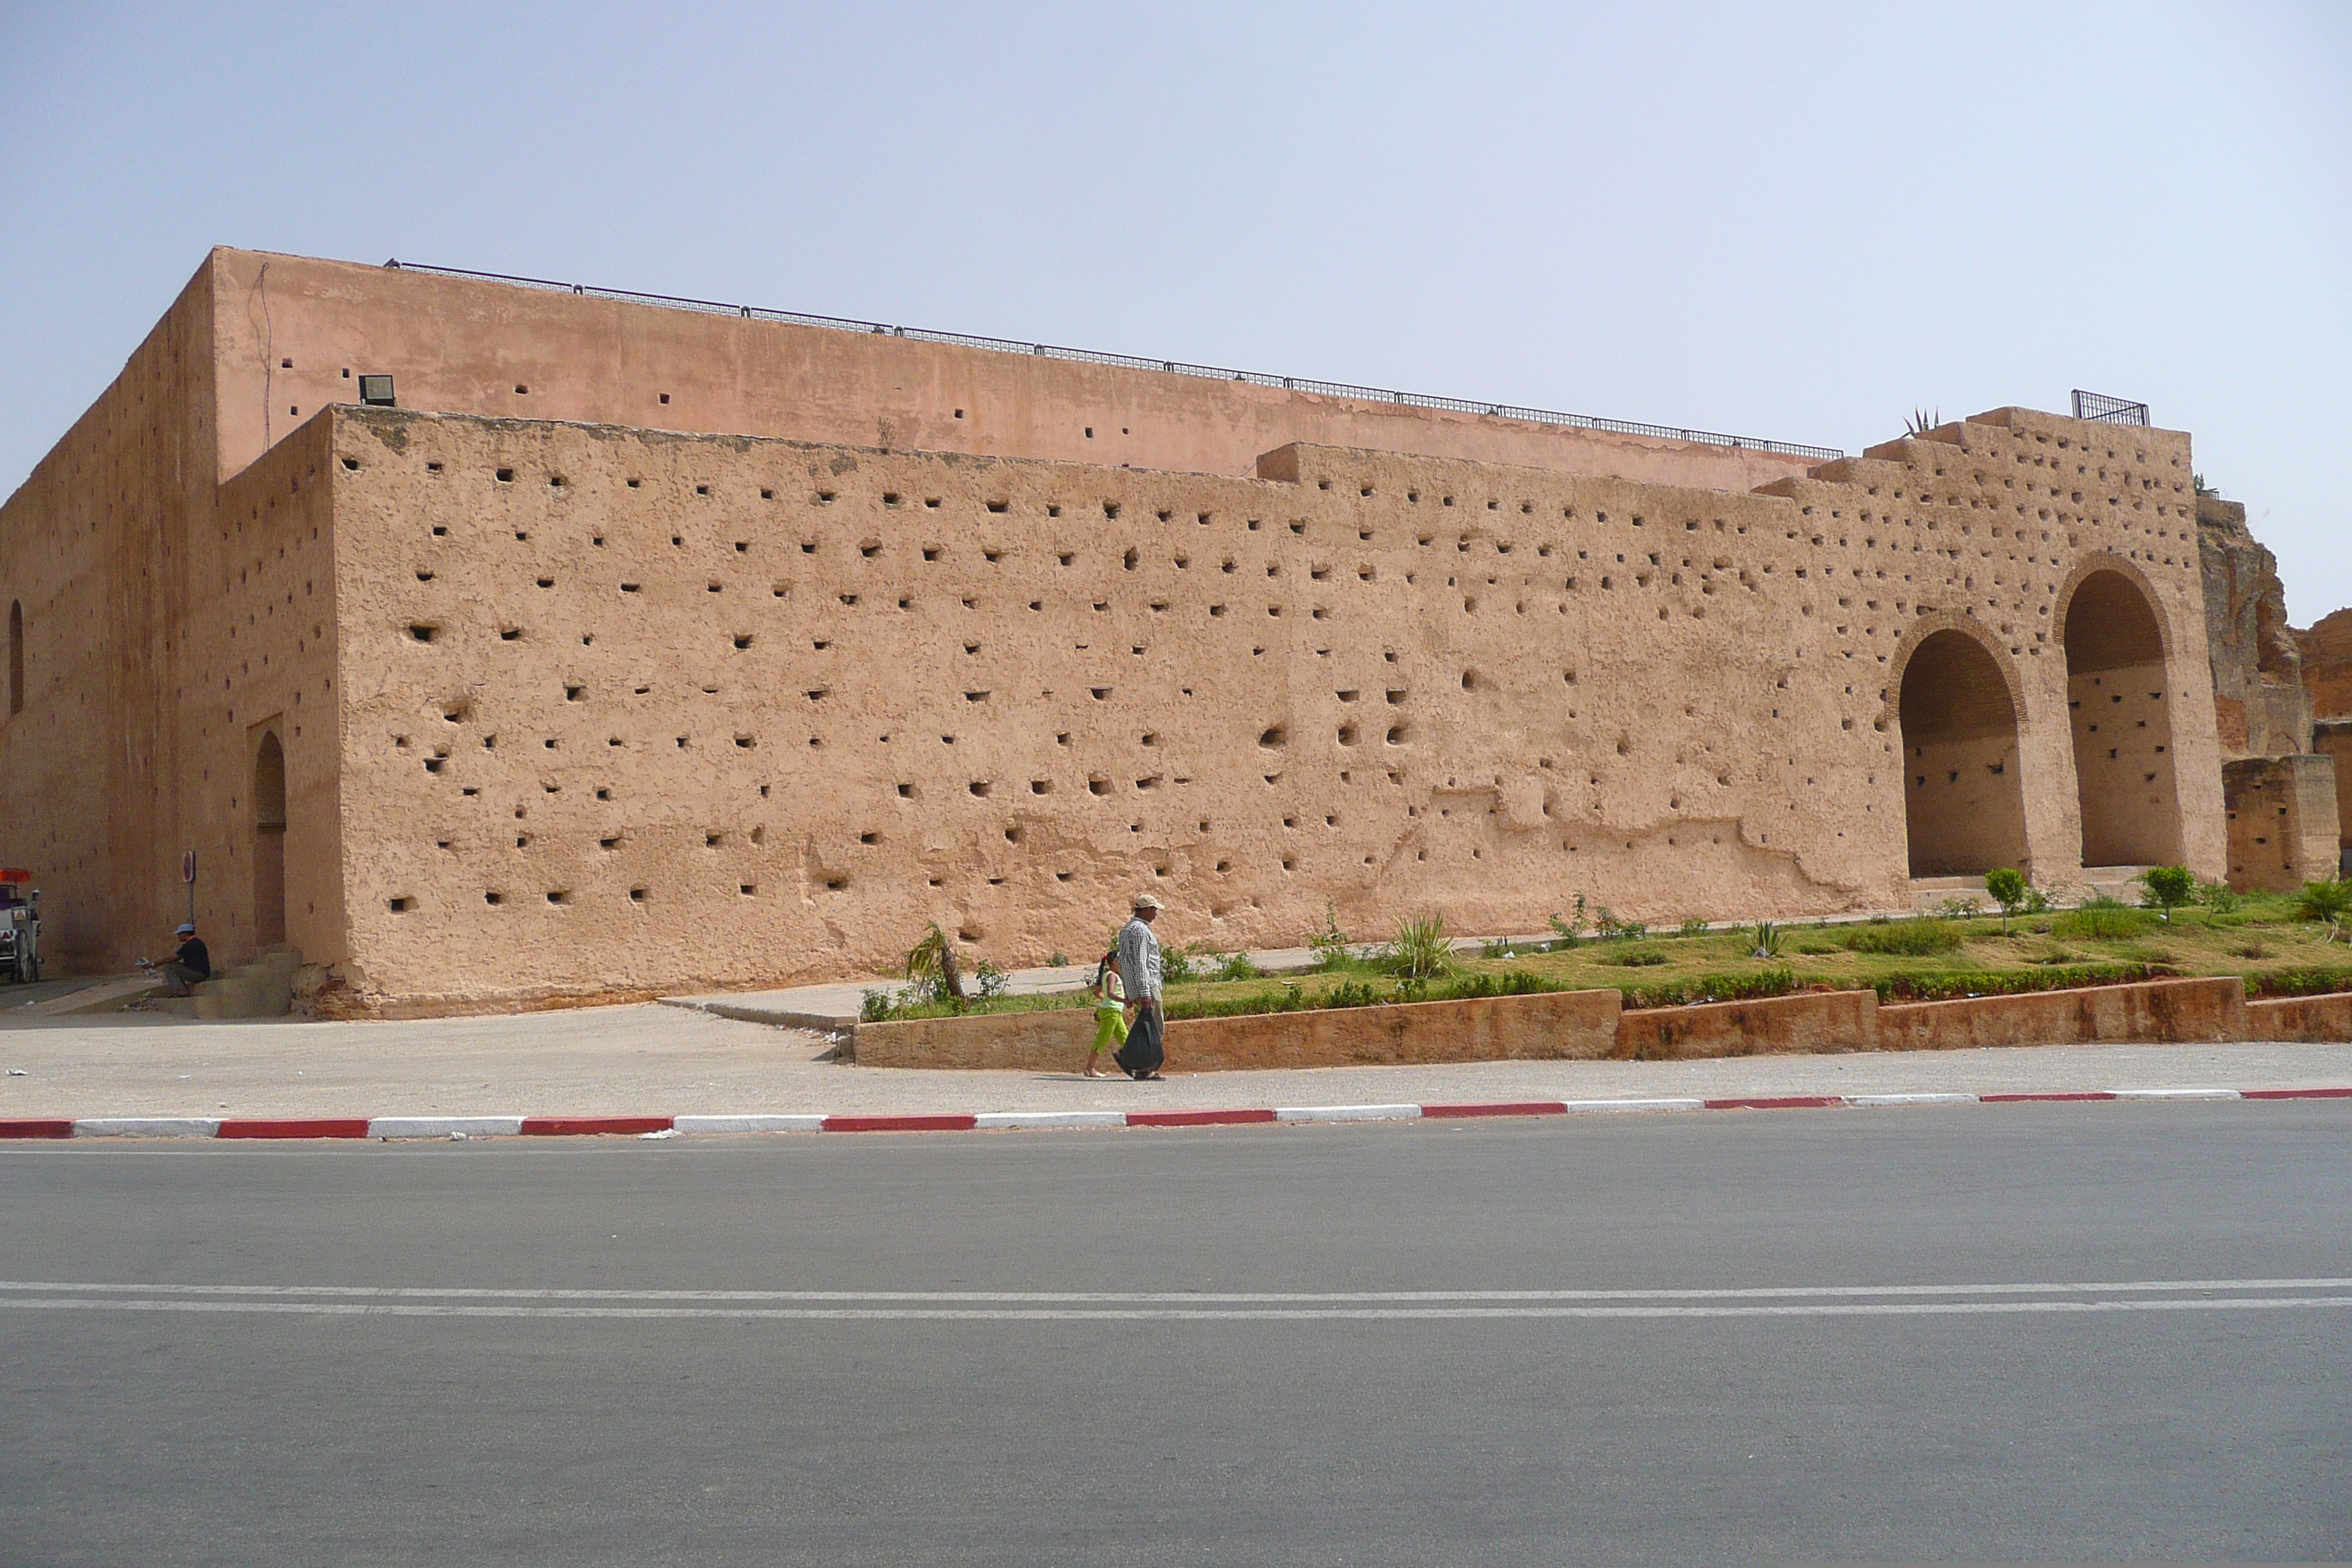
458 345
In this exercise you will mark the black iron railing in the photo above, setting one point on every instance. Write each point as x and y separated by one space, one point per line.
2105 410
1167 367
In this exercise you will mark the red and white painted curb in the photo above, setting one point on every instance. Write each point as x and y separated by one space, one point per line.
389 1127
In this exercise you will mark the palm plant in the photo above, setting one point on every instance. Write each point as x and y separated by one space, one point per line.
931 965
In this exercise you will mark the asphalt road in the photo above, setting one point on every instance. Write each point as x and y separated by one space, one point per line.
1765 1335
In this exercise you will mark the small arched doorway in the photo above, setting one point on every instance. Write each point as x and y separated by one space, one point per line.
269 842
2116 703
1962 808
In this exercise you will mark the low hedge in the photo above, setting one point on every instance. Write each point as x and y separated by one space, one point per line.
2313 981
1370 993
2016 981
1703 988
1693 991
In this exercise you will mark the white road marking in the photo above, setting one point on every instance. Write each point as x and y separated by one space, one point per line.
1034 1314
1174 1298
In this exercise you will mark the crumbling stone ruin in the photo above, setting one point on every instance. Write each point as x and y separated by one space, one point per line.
603 648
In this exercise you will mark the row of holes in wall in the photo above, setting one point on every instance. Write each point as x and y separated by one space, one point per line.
836 882
1112 510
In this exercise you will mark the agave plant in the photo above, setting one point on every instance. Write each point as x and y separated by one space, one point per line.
1421 950
1923 420
2329 901
1766 940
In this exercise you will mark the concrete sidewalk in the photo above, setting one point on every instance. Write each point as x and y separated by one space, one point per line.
836 1007
655 1060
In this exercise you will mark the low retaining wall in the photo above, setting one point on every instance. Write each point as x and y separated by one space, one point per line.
1547 1026
2309 1019
1811 1021
1587 1025
2155 1011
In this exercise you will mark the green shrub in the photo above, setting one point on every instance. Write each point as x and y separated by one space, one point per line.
2007 887
1693 925
1607 927
2168 887
2102 920
1638 958
1571 932
1921 938
990 979
2219 897
1059 961
2323 901
1239 967
1176 965
1329 947
876 1005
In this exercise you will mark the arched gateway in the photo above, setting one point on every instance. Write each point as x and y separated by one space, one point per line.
1962 808
2117 701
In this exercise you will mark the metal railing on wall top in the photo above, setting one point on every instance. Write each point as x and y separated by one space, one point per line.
2098 407
1166 367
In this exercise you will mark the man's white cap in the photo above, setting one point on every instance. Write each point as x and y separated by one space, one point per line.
1146 902
183 929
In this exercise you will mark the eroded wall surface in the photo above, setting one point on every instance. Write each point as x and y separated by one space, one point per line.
625 709
2327 657
2281 821
2262 709
94 552
295 334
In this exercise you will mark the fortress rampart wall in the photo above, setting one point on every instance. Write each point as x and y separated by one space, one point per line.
290 328
719 708
660 710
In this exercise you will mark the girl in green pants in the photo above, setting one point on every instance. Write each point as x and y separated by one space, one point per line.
1111 1012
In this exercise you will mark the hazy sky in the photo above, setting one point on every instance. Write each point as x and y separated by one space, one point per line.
1800 221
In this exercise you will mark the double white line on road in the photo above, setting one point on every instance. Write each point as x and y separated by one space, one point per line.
1759 1301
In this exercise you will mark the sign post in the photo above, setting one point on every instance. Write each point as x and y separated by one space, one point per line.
188 875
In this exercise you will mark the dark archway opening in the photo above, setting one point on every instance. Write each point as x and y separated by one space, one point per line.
2116 700
269 842
1962 808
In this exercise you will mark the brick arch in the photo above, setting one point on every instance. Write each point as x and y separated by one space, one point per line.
2118 643
1959 706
